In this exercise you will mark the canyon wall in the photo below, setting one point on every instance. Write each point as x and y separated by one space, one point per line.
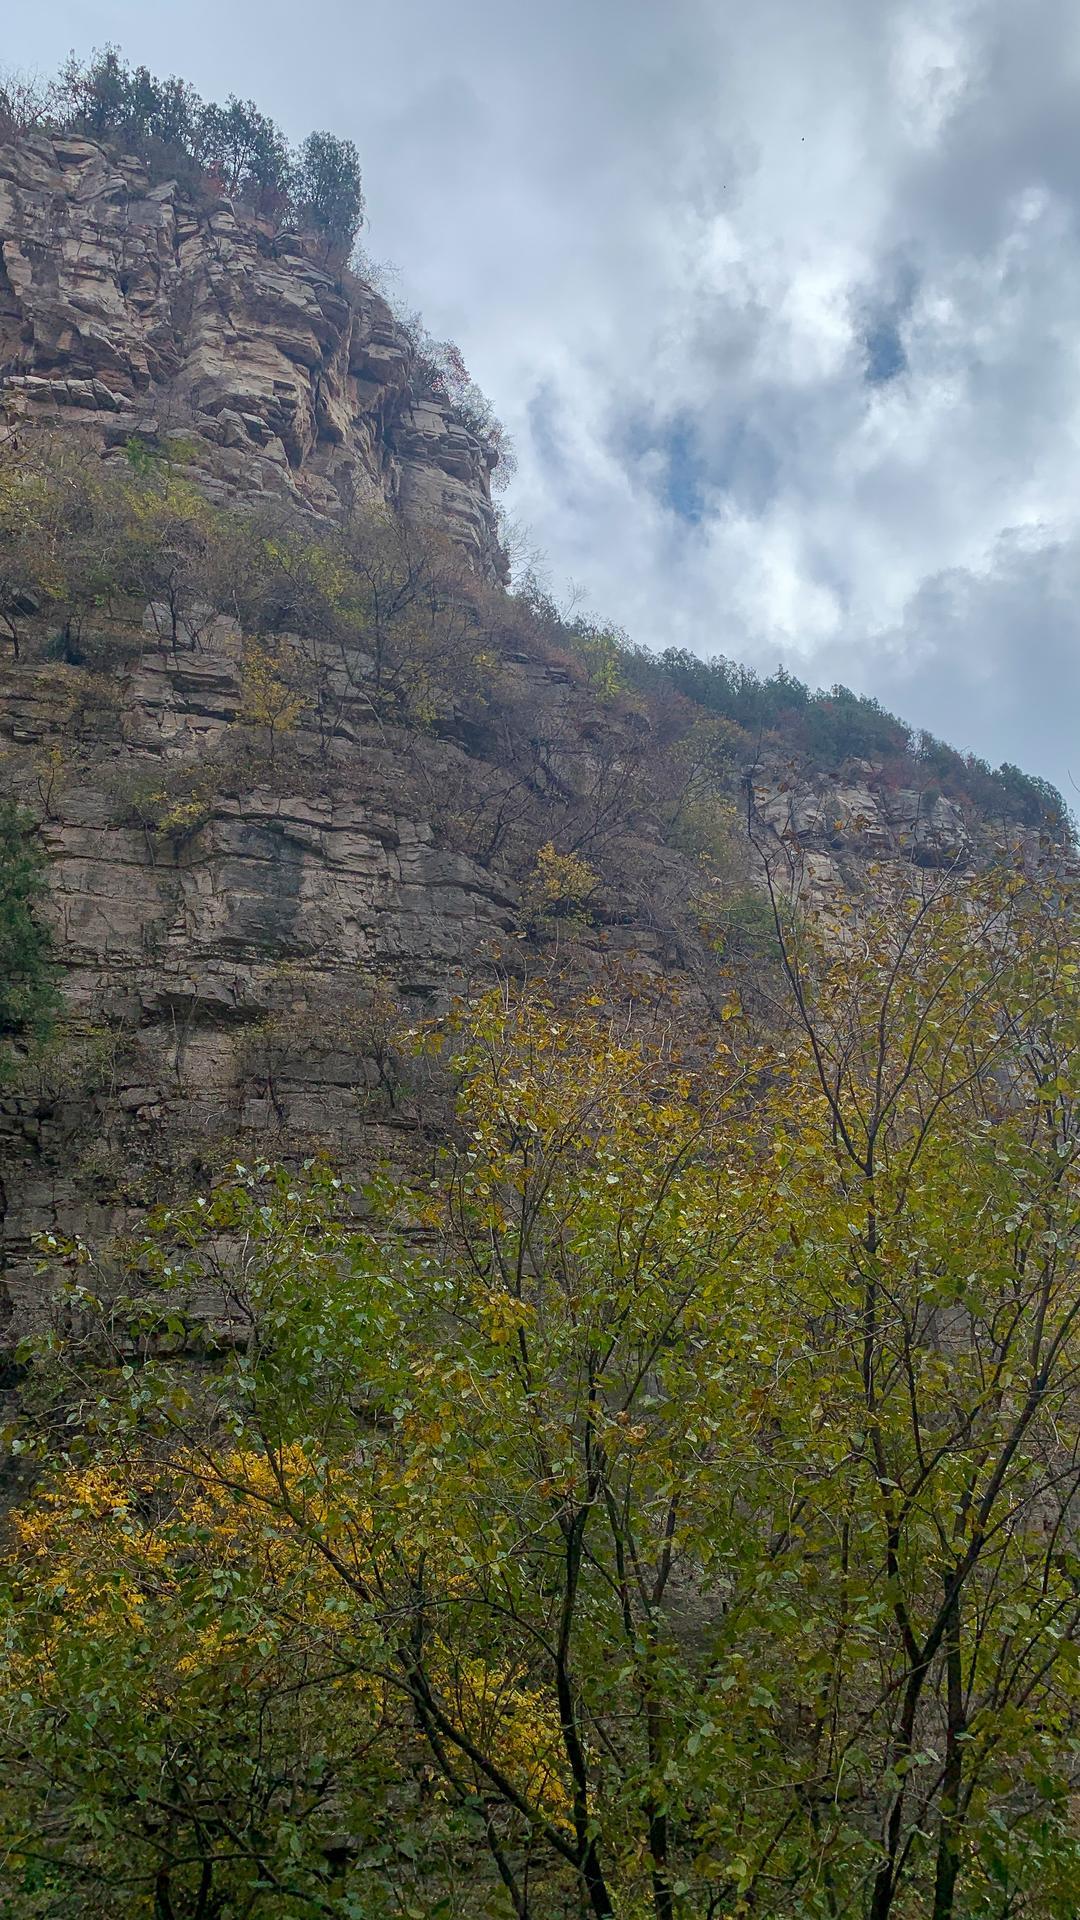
239 963
128 306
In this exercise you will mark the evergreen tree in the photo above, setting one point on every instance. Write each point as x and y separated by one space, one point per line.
329 188
27 972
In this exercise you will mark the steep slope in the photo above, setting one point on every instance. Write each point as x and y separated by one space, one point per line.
128 306
235 963
244 922
280 828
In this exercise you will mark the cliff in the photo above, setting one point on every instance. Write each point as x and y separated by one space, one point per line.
248 914
234 972
133 307
243 936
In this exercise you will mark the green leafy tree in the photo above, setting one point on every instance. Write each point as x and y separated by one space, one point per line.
329 192
934 1265
96 95
246 151
28 995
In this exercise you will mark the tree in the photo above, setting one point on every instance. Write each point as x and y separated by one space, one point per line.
27 973
459 1499
160 537
246 151
27 105
329 193
268 702
95 96
936 1248
560 884
235 146
172 1710
31 565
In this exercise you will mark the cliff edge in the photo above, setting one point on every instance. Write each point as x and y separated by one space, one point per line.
129 307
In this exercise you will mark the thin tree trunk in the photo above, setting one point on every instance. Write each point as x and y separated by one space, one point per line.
663 1898
163 1906
948 1851
884 1893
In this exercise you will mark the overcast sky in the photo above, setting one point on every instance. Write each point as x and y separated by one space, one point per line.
780 302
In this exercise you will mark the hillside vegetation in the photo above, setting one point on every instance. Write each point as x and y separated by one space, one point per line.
665 1507
659 1500
82 546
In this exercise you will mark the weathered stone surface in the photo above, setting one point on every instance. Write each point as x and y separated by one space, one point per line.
126 306
218 980
225 980
839 823
228 976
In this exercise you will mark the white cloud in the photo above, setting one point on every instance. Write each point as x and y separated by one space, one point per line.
930 68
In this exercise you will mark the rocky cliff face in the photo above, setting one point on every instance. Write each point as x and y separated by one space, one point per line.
234 975
233 978
237 965
128 306
840 823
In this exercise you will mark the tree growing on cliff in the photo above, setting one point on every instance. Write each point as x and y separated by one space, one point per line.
27 105
247 153
442 365
269 703
328 189
27 973
236 147
34 529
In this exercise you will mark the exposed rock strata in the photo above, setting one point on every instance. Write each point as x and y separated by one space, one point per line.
228 982
127 306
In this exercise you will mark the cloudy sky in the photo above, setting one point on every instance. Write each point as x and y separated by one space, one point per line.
781 304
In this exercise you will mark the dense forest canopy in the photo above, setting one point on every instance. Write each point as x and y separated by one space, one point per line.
665 1507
